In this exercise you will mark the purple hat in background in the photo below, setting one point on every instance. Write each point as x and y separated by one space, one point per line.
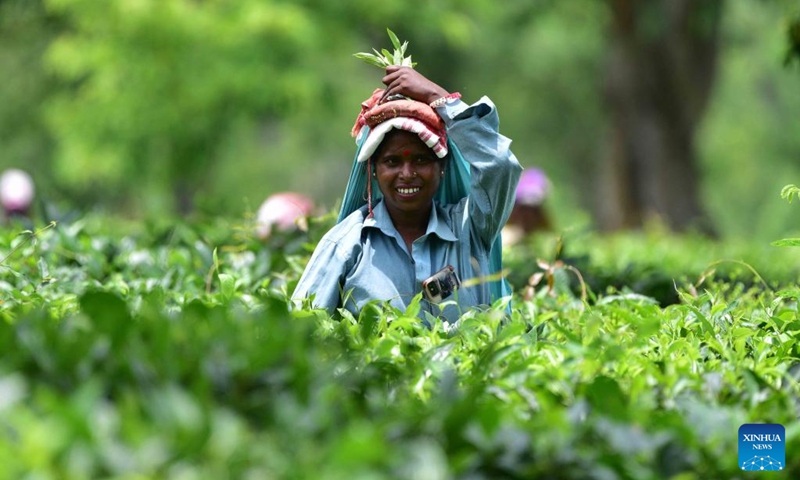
532 188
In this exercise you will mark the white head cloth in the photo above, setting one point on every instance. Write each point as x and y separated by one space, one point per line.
376 135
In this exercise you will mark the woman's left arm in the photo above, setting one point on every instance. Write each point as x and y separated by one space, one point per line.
495 170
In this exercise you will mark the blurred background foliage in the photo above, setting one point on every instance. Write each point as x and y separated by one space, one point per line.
154 107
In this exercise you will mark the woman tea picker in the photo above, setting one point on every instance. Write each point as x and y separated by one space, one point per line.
441 186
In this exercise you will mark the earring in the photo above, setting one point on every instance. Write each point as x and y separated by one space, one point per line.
373 175
443 173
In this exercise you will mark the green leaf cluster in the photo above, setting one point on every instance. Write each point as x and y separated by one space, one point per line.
789 192
384 58
651 262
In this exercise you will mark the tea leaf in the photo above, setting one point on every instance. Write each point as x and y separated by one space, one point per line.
787 242
227 284
789 192
394 39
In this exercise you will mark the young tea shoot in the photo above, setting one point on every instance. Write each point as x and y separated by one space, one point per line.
384 58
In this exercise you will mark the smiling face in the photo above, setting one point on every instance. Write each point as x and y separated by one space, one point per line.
408 174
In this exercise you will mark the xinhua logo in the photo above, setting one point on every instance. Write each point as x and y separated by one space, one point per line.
762 447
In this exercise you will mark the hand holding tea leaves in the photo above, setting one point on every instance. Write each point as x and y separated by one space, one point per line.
401 79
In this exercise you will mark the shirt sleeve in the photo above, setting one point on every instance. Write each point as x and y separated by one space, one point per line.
494 169
323 277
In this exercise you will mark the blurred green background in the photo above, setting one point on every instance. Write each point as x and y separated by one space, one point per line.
682 111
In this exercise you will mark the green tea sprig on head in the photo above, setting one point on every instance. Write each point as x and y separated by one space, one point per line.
384 58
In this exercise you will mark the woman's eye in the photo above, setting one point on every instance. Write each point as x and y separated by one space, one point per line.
423 160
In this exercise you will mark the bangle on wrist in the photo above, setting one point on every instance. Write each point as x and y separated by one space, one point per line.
442 100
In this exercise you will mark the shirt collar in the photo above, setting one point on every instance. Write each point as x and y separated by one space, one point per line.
382 221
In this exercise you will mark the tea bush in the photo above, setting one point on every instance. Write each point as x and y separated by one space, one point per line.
172 351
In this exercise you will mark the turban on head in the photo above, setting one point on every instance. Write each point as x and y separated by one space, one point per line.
402 114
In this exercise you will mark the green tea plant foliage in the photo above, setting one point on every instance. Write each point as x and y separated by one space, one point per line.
789 192
173 351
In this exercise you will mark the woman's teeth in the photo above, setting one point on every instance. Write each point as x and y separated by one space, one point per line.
408 191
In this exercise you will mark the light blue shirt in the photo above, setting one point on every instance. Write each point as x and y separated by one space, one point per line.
362 259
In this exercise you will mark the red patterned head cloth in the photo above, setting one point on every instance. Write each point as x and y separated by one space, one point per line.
403 114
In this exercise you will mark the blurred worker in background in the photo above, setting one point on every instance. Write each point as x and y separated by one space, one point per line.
283 212
16 193
529 213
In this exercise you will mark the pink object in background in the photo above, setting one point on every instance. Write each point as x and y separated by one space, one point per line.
283 212
532 188
529 213
16 192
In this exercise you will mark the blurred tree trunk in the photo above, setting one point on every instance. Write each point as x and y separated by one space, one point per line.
793 38
659 77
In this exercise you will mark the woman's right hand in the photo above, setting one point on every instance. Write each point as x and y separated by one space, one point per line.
410 83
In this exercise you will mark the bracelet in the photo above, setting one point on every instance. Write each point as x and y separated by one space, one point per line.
442 100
